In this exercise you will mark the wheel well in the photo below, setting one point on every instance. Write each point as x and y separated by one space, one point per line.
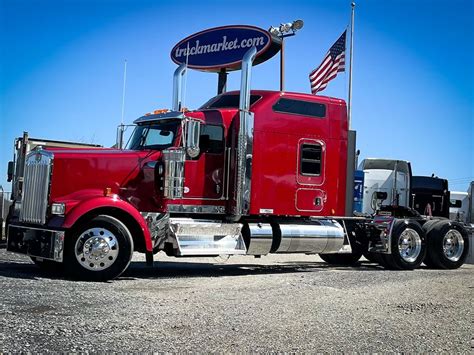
128 220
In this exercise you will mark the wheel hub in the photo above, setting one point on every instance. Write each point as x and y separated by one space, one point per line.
453 245
96 249
409 245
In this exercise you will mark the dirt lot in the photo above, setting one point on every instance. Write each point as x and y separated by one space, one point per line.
285 303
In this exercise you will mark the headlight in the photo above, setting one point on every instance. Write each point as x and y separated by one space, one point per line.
58 208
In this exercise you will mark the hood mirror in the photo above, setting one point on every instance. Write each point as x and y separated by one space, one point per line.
193 131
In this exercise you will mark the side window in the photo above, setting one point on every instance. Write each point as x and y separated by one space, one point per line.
310 159
211 139
299 107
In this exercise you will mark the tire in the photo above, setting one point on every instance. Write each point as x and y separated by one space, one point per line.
408 246
48 266
341 259
448 245
427 227
98 250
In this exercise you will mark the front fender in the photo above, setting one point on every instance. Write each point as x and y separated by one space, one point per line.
108 202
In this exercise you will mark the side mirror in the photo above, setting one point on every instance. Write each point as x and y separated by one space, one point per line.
193 131
11 168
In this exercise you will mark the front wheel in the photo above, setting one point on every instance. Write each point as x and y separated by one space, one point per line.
99 249
408 247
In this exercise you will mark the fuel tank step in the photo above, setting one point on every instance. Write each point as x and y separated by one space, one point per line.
207 237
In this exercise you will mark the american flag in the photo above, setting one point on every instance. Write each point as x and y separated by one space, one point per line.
333 63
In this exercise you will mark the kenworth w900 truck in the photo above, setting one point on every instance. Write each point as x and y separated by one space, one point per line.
250 172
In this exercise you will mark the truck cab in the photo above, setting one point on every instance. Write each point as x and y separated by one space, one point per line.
250 172
246 173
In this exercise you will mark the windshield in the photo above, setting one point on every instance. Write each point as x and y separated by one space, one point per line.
160 135
385 164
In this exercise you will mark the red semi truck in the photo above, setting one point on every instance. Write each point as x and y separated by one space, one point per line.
250 172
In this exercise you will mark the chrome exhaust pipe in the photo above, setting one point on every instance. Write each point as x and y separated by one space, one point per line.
245 140
178 87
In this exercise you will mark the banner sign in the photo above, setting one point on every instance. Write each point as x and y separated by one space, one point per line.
220 47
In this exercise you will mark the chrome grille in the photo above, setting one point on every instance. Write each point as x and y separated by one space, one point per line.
37 174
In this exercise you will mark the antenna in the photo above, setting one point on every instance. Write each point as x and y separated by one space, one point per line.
121 128
123 91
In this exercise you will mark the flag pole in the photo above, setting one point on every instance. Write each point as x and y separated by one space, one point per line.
349 105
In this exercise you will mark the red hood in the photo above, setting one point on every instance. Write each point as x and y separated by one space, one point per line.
82 172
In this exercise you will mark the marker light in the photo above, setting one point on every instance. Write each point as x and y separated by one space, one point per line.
163 110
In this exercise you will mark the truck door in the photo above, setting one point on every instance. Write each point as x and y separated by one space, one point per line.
204 175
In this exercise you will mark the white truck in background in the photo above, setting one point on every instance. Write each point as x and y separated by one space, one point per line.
386 183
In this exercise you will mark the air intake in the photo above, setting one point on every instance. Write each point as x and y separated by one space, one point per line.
37 177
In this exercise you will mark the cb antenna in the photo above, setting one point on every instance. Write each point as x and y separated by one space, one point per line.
122 127
123 91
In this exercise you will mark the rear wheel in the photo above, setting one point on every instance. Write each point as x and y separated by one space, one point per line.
98 250
408 247
427 227
448 245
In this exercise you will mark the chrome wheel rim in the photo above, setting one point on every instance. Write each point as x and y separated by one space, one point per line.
96 249
453 245
409 245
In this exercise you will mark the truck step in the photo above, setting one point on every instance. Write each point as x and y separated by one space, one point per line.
205 237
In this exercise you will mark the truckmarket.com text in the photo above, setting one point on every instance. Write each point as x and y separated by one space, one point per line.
222 46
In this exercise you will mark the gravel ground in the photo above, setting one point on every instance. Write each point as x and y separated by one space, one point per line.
283 303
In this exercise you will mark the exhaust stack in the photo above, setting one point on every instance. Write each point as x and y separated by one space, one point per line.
245 140
178 87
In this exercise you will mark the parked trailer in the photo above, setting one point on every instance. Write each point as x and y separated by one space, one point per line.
249 172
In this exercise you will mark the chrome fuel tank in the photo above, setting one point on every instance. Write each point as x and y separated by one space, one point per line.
323 236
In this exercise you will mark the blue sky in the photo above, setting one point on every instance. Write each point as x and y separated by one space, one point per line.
61 69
